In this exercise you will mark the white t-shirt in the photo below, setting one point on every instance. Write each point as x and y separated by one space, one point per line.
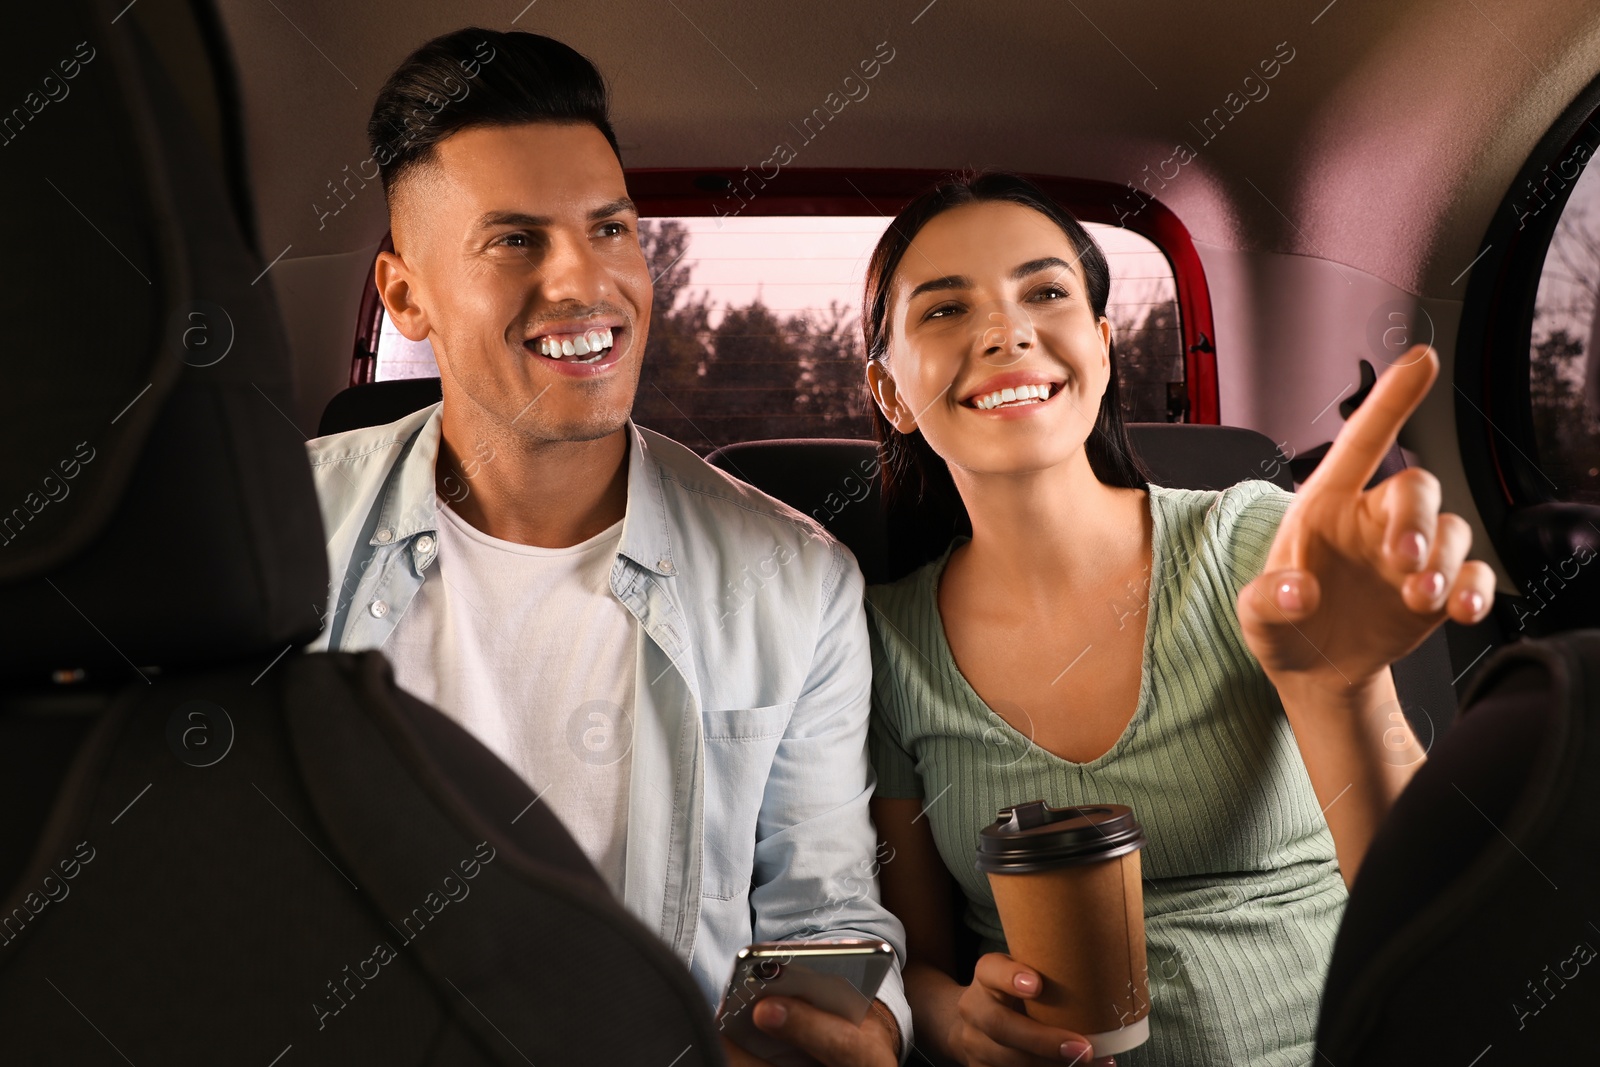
528 650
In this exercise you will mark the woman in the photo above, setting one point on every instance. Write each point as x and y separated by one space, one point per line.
1218 661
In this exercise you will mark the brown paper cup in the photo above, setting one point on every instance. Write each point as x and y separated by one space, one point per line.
1082 929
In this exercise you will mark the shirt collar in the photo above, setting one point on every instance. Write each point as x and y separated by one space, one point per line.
410 502
646 536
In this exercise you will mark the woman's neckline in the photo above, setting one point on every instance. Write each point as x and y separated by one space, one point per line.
935 573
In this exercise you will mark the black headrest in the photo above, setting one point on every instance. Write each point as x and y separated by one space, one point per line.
156 506
1192 456
834 480
377 404
837 483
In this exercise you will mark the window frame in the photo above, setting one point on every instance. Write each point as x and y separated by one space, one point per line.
369 321
1494 402
709 192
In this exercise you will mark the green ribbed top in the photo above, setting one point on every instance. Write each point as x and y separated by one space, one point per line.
1242 893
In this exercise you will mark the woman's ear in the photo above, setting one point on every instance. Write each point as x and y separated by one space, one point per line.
880 383
1105 341
399 296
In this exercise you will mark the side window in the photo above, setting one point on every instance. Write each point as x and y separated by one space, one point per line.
756 328
1527 378
1564 350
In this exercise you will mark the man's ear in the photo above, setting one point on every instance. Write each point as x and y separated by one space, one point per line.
880 383
399 295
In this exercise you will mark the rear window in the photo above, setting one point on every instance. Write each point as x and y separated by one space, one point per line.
756 330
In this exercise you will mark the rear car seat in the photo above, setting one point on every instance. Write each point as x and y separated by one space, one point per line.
835 482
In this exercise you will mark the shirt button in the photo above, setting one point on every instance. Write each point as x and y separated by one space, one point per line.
665 565
424 545
379 608
385 535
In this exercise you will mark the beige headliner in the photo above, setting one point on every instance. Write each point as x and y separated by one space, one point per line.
1385 144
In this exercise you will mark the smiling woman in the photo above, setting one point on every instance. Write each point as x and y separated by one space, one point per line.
1230 722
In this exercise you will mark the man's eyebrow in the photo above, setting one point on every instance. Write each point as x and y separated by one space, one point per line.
620 206
512 218
490 219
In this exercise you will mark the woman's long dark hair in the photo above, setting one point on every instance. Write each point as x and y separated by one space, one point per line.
913 474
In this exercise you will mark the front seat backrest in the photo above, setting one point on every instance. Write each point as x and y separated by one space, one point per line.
1474 922
222 849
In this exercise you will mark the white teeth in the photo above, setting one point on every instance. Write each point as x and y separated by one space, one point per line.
1020 394
591 344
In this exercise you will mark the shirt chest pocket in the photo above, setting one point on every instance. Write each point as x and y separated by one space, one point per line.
740 746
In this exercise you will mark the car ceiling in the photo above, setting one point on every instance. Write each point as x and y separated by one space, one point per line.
1385 143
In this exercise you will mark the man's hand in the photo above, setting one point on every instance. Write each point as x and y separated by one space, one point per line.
830 1040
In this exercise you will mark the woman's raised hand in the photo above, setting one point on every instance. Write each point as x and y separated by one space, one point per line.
1357 578
991 1029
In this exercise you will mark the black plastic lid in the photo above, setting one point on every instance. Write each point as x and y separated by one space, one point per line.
1036 837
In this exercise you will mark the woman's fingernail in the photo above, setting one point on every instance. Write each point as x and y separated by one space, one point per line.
1026 982
1076 1051
1433 585
1411 547
1288 594
775 1014
1475 601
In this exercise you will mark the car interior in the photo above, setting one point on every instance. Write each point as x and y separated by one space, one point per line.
1290 198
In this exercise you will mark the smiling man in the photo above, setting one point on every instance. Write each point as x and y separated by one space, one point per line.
554 578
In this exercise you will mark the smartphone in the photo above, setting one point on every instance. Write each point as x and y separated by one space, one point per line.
840 975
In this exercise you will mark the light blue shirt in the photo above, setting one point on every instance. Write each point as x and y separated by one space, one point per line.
747 816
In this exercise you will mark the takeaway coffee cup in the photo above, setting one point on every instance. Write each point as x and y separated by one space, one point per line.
1067 883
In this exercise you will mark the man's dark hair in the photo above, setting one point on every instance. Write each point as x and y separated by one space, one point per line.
477 77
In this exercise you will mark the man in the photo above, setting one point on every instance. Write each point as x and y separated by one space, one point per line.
676 663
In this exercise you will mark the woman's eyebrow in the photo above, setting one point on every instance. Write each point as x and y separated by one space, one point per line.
949 281
1022 270
1033 266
